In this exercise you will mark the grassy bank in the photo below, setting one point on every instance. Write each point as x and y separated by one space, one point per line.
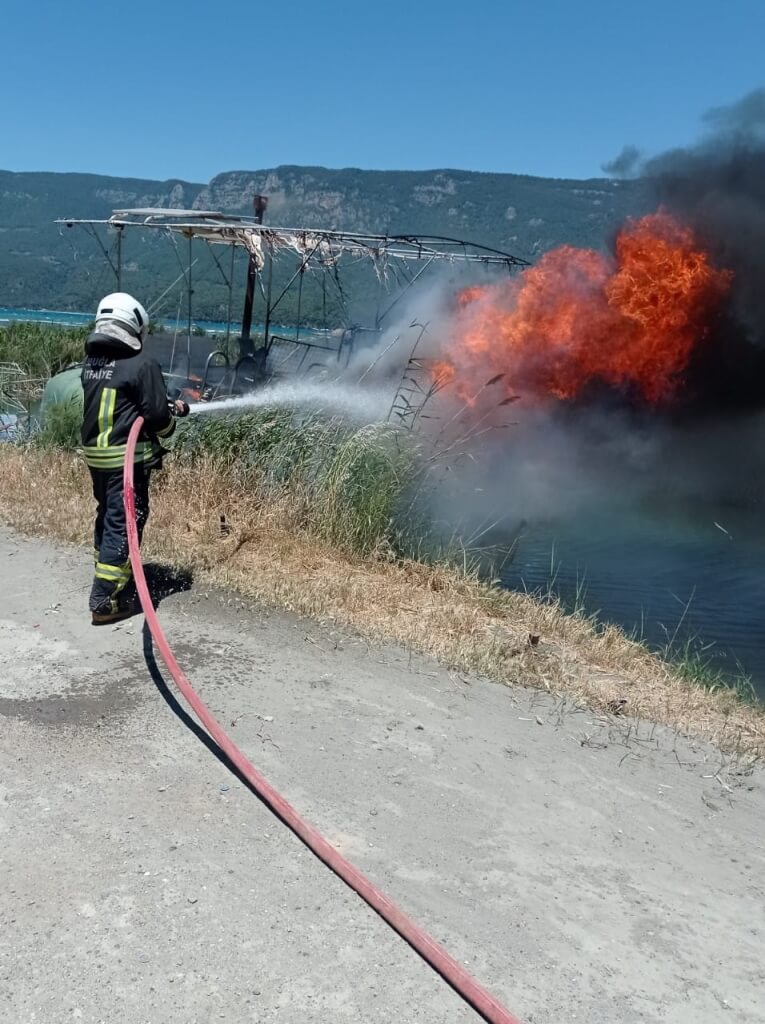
318 518
41 350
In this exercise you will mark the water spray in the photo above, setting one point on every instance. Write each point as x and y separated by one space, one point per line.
368 404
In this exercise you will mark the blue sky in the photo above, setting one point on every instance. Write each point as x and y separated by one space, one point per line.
168 89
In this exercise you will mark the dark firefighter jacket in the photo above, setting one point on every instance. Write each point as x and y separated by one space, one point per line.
120 384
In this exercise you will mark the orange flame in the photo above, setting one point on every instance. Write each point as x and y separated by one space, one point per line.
577 317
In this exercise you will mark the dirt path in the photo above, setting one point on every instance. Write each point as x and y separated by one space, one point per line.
581 873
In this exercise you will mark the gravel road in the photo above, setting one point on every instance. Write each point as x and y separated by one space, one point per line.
584 870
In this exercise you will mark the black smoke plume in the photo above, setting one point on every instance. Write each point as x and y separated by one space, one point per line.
718 188
625 165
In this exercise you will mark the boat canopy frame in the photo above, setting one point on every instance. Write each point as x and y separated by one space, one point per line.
402 258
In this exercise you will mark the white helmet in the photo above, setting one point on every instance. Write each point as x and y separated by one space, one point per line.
126 311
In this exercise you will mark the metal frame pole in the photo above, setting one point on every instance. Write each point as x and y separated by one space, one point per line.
266 344
190 289
246 347
119 257
230 296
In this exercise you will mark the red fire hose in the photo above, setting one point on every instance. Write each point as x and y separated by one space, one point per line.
441 962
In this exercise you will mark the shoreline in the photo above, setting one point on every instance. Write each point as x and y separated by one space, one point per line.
78 318
467 625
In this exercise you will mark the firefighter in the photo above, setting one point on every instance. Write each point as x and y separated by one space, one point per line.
120 383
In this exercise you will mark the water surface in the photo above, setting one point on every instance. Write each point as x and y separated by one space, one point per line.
669 575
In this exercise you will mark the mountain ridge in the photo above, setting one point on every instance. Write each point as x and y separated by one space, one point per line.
44 266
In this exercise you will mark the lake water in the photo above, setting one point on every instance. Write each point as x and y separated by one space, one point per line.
8 314
665 578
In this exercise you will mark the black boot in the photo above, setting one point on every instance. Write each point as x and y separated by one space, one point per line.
125 607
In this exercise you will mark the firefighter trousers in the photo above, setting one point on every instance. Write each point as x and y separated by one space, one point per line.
110 545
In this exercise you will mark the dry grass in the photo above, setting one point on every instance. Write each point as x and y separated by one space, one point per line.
464 623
